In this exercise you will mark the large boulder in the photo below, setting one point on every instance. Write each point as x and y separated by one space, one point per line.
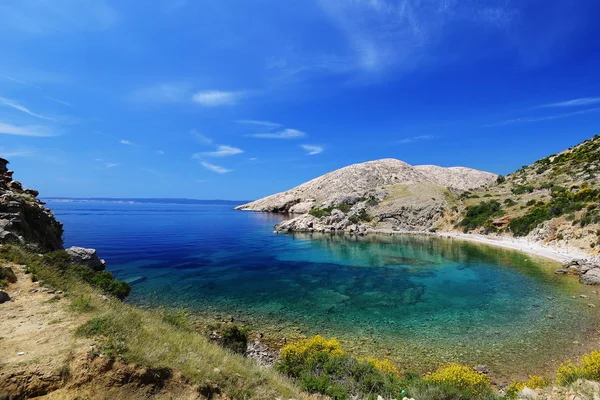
87 257
4 297
591 277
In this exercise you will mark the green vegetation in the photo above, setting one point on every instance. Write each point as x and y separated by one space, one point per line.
322 366
481 215
522 189
82 304
362 215
588 368
155 339
235 339
7 276
325 212
562 202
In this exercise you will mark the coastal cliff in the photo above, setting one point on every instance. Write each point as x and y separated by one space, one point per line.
23 218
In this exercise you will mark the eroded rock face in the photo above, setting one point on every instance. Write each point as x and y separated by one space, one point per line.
87 257
23 218
591 277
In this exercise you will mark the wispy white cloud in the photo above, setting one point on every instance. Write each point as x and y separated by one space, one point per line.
161 93
153 172
160 152
222 151
64 103
200 137
110 165
126 142
265 124
312 149
284 134
544 117
584 101
5 153
33 17
215 98
10 78
416 139
28 130
13 104
215 168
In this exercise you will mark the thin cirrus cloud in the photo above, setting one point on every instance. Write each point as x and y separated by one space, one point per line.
13 104
17 153
544 117
266 124
222 151
215 98
28 130
215 168
200 137
311 150
283 134
126 142
416 139
584 101
162 93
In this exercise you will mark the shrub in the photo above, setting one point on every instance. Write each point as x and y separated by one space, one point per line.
7 275
522 189
295 355
500 179
479 214
534 382
463 377
588 368
235 339
385 365
103 280
509 202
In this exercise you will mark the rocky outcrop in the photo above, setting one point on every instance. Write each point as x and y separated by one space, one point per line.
23 218
87 257
589 272
365 180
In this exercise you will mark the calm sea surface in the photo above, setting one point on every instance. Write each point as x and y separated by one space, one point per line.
417 300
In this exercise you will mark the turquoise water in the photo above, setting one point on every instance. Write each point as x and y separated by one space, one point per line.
419 301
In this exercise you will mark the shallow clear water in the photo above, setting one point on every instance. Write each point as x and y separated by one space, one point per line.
418 300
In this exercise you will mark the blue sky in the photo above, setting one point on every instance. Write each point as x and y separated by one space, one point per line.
237 99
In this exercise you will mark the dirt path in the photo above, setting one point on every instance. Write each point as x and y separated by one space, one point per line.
36 336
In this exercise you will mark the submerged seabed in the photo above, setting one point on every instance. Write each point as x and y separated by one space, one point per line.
418 300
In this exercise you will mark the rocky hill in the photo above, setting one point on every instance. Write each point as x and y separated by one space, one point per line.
553 201
23 218
382 194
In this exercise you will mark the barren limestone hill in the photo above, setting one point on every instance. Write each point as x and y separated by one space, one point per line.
364 180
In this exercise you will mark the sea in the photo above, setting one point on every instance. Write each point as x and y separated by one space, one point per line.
420 301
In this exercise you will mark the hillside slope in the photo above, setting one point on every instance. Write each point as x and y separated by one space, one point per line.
552 201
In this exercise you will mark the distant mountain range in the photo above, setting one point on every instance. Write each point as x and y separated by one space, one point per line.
146 200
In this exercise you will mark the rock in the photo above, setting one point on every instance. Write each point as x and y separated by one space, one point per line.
527 393
87 257
260 353
574 270
31 192
591 277
561 271
482 369
4 297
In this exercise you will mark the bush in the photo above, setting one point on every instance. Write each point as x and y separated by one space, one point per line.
462 377
500 179
103 280
479 214
7 275
534 382
522 189
82 304
588 368
509 202
294 356
235 339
